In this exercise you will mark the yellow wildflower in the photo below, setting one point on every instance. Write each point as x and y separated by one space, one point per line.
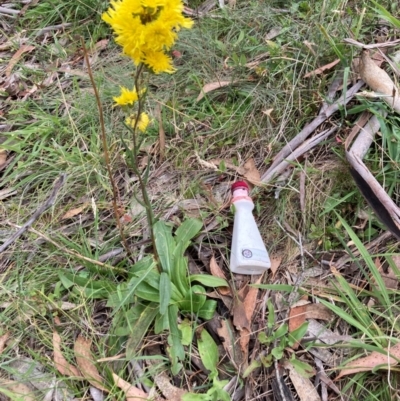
145 29
158 62
142 123
126 97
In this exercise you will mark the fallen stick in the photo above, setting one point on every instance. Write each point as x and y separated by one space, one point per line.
305 147
39 211
308 130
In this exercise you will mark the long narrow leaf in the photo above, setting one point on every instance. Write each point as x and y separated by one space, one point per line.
140 329
165 245
165 292
382 291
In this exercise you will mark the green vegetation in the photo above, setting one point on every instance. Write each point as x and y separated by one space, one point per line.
152 310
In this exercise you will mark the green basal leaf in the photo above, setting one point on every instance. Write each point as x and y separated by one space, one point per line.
187 331
152 279
208 351
277 353
207 311
175 350
194 299
161 323
165 292
208 280
262 337
296 335
253 366
165 245
126 292
147 292
185 232
271 315
143 264
139 329
124 320
179 274
302 368
92 288
195 397
282 330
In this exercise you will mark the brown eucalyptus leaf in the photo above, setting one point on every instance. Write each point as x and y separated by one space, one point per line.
20 390
74 212
320 70
132 393
251 172
15 58
212 86
304 388
371 361
86 364
217 272
170 392
3 340
62 365
379 81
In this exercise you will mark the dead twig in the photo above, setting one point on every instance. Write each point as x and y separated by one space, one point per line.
39 211
307 131
305 147
373 45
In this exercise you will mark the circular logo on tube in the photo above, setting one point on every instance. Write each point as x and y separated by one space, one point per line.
247 253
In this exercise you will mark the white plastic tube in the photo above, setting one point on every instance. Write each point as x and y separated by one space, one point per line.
248 252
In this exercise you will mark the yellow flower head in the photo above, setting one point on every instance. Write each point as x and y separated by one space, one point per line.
127 97
142 123
146 29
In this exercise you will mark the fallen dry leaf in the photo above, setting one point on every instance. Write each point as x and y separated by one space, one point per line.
132 393
379 81
212 86
299 314
250 300
249 305
74 212
304 388
170 392
62 365
240 320
3 158
268 113
390 279
86 364
251 172
14 59
3 340
275 263
273 33
225 331
217 272
19 390
371 361
318 311
320 70
322 333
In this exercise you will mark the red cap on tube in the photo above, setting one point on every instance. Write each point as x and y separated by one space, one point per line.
239 184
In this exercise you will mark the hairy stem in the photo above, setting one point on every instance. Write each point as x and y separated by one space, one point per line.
135 162
106 151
